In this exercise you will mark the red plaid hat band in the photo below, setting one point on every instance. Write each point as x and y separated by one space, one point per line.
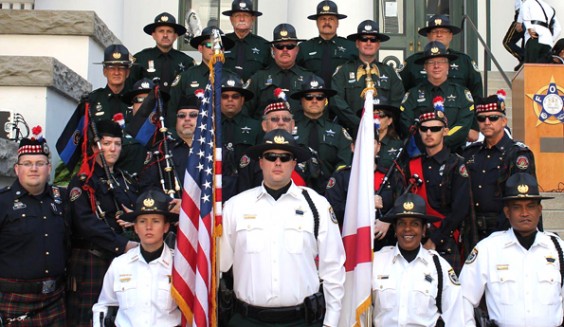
31 149
487 107
276 106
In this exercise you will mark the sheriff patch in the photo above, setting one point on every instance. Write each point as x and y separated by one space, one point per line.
522 162
468 96
462 171
331 183
332 215
452 276
245 161
472 256
75 193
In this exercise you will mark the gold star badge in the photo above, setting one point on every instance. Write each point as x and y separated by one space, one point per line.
284 33
438 21
116 55
523 189
279 139
164 18
408 205
326 8
148 203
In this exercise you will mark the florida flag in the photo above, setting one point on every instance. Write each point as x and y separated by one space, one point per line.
357 225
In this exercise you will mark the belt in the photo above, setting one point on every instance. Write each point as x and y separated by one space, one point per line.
270 315
93 249
540 22
36 287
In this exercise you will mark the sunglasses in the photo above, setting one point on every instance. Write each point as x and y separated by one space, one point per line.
368 39
284 157
433 129
138 99
492 118
310 97
290 46
277 119
207 44
183 115
235 96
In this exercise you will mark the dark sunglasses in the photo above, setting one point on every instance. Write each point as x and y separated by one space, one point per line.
368 39
310 97
492 118
283 46
277 119
183 115
138 99
433 129
235 96
284 157
207 44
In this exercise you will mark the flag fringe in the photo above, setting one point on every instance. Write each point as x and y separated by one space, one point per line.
362 309
182 305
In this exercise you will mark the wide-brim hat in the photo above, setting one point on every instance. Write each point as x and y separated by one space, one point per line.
390 110
242 6
153 201
233 82
409 206
327 8
279 139
435 49
142 86
285 32
207 33
116 54
368 27
165 19
313 84
522 186
439 21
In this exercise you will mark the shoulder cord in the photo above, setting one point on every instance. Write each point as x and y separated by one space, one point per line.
438 300
314 211
560 258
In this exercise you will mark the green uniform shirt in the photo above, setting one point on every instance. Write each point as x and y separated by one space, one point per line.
149 64
186 83
389 148
265 81
311 55
334 148
349 85
462 71
104 104
458 105
248 55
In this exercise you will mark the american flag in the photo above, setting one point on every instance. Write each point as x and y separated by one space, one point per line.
193 274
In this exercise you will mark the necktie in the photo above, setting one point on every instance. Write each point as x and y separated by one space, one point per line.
285 82
240 55
166 71
313 140
326 72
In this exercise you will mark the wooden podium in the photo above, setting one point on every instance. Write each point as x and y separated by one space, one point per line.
538 119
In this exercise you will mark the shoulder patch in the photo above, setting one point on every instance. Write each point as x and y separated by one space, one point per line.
475 65
405 97
245 161
468 95
75 193
522 162
331 183
337 69
462 170
176 81
472 256
521 145
347 135
332 215
452 276
148 158
247 83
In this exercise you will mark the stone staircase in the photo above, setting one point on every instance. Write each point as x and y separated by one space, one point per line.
553 210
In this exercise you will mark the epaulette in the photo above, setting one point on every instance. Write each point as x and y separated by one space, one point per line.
522 145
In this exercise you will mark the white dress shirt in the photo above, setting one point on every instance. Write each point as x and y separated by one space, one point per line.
531 10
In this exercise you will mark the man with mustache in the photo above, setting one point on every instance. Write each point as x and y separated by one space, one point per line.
324 53
161 61
251 52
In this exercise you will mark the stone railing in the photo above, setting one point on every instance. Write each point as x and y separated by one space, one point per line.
17 4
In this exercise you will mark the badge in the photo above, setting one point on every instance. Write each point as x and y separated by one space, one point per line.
468 96
462 171
332 215
352 75
245 130
56 194
452 276
98 106
522 162
331 183
330 133
18 205
347 135
245 161
255 51
299 212
151 66
194 84
75 193
472 256
454 66
550 260
475 65
429 278
176 80
451 97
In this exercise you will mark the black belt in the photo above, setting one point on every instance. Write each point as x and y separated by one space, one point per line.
94 250
539 22
35 287
270 315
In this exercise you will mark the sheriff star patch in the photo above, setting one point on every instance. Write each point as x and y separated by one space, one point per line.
522 162
472 256
331 183
75 193
245 161
332 215
453 278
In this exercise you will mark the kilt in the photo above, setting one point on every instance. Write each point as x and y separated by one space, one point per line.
44 309
84 284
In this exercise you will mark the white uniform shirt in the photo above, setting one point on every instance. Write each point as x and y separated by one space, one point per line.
404 293
141 290
522 287
531 10
272 248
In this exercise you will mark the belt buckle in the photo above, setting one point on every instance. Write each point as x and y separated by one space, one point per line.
49 286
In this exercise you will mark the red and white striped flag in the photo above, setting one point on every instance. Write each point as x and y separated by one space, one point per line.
194 273
357 225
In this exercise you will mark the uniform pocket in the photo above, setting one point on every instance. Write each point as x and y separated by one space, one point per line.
164 297
251 235
549 286
386 294
294 234
126 293
504 283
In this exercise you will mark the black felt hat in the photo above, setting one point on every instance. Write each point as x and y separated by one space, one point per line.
242 6
439 21
367 28
165 19
232 82
207 33
153 201
285 32
409 206
523 186
313 83
116 54
327 8
279 139
435 49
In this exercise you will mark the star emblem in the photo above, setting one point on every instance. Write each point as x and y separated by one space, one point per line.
181 67
342 49
255 51
451 97
548 103
454 66
245 130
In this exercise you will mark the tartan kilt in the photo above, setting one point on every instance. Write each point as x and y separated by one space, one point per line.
84 284
45 309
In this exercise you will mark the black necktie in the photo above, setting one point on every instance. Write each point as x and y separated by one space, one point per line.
166 71
240 55
326 72
285 82
313 140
